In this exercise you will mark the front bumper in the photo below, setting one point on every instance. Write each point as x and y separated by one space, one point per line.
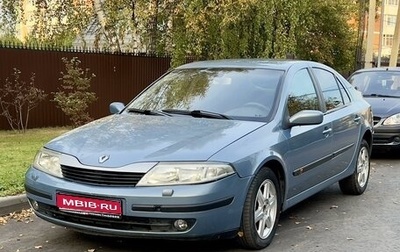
386 137
210 210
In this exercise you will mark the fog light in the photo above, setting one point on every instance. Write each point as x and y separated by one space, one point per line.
180 225
396 139
34 204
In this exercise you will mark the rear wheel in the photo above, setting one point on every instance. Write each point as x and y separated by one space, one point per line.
261 211
357 182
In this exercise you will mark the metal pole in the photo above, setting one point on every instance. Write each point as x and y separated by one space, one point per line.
381 33
395 47
370 34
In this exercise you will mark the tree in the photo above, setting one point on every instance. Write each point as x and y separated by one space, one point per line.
317 30
8 19
256 28
116 31
57 23
326 36
18 98
74 98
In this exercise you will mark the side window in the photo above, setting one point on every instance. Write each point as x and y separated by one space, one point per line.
302 94
330 89
345 95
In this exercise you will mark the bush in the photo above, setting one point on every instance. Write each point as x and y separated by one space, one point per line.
18 98
74 98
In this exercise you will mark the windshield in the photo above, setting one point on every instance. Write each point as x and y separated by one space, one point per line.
246 94
379 83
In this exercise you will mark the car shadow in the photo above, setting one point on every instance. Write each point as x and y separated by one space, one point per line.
288 218
138 245
385 154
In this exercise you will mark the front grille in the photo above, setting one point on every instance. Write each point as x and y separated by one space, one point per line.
101 177
125 223
376 120
382 140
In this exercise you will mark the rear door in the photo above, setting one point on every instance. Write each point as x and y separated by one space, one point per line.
346 122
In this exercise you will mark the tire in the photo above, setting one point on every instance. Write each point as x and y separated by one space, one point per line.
261 211
358 181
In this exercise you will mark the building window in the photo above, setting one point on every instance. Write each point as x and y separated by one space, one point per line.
387 39
392 2
390 20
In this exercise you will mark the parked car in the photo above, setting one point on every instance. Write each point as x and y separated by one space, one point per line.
211 150
381 88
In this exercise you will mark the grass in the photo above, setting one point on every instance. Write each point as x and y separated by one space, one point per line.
17 153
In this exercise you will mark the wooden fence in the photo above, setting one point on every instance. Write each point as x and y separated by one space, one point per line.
119 77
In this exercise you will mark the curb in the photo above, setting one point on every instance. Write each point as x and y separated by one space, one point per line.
11 204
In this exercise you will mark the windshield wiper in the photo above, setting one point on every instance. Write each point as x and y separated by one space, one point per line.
381 95
197 113
148 112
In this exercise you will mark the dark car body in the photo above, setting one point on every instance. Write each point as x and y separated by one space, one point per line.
213 149
381 88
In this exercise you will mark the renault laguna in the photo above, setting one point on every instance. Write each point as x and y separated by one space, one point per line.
210 150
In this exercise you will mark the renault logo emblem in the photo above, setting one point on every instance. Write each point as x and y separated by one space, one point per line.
103 158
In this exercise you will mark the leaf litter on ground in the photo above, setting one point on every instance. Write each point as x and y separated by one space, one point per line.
24 215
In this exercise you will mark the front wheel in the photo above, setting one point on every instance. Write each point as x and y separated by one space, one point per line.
356 183
261 211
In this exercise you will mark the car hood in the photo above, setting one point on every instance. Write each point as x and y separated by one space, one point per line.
128 139
384 106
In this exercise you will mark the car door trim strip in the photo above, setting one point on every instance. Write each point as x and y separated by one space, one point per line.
317 163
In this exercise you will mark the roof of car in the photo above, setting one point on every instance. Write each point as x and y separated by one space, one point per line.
259 63
378 69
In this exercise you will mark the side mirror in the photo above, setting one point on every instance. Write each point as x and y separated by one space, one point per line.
116 107
306 117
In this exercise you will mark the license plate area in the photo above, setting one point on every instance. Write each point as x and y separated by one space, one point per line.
109 208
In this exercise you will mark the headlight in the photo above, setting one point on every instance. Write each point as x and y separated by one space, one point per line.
392 120
185 173
48 162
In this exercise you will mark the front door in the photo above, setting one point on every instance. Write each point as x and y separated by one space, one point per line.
309 146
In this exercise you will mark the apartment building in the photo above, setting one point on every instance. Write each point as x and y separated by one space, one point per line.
389 22
385 24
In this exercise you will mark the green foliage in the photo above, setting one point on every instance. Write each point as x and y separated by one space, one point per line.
58 23
17 153
74 98
117 30
18 98
9 39
315 30
331 40
9 17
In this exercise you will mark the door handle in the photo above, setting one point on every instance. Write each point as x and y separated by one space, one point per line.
327 131
357 119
